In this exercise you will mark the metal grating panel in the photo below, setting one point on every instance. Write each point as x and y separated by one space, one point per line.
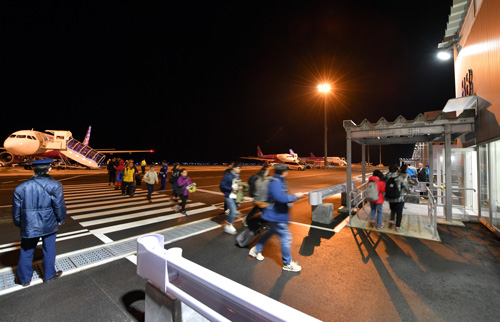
90 257
105 252
122 248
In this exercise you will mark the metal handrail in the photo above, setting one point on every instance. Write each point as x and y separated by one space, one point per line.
360 192
432 211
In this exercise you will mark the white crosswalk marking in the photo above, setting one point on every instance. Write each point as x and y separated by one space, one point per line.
96 206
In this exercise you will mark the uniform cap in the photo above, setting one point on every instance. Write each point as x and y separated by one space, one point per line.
42 162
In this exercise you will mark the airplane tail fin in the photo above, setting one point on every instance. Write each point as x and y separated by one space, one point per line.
259 152
291 152
312 155
87 136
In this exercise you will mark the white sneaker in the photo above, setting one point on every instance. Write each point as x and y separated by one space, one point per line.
292 267
227 212
228 228
253 253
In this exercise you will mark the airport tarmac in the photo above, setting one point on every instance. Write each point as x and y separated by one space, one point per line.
348 274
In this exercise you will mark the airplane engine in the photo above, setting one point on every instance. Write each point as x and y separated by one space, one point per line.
8 158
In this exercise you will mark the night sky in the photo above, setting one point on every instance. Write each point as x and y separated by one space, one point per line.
210 81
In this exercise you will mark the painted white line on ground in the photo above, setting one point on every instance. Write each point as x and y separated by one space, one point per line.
118 211
110 229
124 201
130 216
336 229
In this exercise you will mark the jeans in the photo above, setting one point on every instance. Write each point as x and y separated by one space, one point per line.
285 239
28 246
397 211
376 208
183 202
151 187
231 204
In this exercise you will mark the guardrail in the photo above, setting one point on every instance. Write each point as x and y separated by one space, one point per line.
357 199
215 297
316 196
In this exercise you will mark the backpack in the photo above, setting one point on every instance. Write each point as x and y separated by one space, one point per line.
392 190
251 185
371 192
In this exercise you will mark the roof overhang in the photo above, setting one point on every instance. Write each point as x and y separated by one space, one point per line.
402 131
460 104
455 23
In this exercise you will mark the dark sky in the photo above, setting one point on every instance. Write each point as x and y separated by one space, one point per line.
210 81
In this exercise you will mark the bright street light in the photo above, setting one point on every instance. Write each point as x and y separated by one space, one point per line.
444 55
325 88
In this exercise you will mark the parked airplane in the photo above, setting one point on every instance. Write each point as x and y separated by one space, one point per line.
25 145
290 159
320 160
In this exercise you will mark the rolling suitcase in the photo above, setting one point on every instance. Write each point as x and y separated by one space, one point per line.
255 226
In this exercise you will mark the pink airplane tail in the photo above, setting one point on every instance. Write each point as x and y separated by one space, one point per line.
87 136
259 152
312 155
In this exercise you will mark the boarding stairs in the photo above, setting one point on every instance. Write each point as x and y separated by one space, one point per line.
70 148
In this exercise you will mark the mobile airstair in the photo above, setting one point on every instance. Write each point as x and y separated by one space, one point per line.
63 142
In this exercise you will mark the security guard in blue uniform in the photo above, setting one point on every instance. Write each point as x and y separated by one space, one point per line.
163 175
38 208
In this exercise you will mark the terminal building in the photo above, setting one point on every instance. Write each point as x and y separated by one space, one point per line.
473 36
461 143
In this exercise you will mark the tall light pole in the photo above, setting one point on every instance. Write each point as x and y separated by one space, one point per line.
325 89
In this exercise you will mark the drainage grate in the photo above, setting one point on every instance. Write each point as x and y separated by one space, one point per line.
117 250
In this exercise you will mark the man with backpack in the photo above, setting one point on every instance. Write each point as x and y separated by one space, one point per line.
394 186
277 216
258 184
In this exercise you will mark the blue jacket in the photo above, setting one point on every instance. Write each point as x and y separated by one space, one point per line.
226 185
38 207
278 198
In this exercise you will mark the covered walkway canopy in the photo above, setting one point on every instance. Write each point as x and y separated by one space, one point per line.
445 127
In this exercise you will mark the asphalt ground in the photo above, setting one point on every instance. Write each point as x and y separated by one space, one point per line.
347 274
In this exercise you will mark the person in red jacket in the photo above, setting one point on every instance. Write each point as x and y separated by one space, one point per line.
119 168
376 206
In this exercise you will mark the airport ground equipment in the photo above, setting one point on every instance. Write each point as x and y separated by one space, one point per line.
174 282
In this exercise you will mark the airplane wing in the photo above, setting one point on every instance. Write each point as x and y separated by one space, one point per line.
254 158
113 151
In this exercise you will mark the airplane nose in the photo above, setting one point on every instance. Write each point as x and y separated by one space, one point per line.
11 145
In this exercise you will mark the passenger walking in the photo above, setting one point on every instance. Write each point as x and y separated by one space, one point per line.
143 166
376 206
258 190
174 175
119 174
394 186
151 178
229 186
182 190
129 173
163 175
112 171
38 209
277 216
228 170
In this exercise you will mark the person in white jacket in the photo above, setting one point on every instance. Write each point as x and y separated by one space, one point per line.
151 178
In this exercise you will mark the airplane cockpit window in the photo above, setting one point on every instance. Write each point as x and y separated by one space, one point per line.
31 137
12 136
21 136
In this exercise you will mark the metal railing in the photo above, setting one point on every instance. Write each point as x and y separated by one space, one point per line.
215 297
432 212
357 200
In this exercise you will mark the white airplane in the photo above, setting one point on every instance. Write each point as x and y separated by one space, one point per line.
291 159
26 145
320 160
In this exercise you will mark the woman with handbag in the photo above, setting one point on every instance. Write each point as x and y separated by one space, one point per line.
182 190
